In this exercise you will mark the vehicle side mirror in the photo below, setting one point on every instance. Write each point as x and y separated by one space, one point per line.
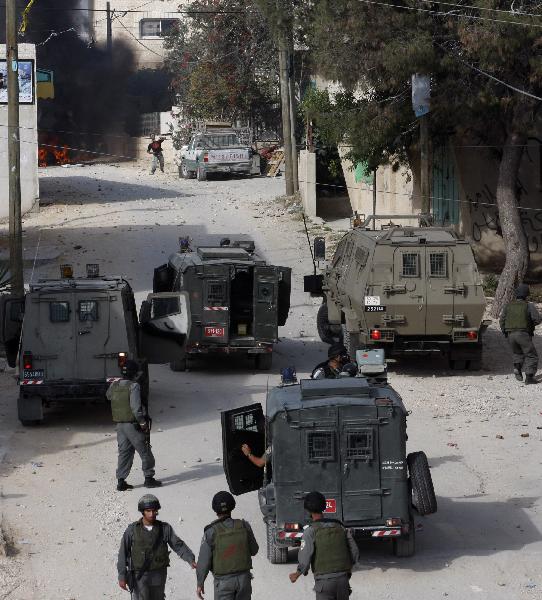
319 248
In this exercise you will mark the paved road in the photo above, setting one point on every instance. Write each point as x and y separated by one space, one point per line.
57 481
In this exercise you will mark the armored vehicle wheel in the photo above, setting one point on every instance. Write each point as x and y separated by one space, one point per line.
351 342
423 492
405 546
31 423
201 174
457 365
264 361
327 335
474 365
184 172
179 364
277 555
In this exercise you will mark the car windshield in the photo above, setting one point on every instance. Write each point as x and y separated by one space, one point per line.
220 141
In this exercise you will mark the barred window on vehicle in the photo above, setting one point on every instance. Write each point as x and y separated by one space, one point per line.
216 292
411 264
59 312
321 445
88 310
359 445
244 422
438 264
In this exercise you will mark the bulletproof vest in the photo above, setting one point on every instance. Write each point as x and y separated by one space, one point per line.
517 316
329 373
231 553
331 551
120 403
142 545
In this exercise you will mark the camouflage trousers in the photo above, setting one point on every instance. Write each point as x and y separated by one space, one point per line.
130 441
151 586
234 587
525 354
334 588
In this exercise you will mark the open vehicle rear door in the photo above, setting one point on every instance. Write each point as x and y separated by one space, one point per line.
245 425
164 320
11 325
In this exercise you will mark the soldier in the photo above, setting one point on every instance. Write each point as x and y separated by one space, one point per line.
337 359
329 549
518 320
133 427
226 550
144 555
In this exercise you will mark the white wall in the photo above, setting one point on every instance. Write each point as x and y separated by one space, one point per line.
28 115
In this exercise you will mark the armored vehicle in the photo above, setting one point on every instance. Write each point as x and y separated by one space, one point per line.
409 290
344 437
70 337
237 301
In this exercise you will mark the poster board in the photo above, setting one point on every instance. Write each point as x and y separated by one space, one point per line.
26 82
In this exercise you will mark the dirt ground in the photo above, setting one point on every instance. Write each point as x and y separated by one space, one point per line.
61 514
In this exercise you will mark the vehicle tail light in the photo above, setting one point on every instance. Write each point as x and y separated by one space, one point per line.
393 522
123 357
292 526
27 360
376 334
206 157
472 335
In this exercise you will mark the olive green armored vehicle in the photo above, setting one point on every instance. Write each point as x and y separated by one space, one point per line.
237 300
409 290
344 437
70 337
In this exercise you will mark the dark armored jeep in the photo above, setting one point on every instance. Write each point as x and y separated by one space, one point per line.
344 437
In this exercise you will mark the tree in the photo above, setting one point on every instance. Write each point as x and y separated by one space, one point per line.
373 48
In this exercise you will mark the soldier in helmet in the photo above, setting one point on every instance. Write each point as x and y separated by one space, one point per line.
132 427
337 359
144 556
329 549
517 321
226 550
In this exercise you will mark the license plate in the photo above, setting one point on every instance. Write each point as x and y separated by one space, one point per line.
331 506
214 332
33 373
375 308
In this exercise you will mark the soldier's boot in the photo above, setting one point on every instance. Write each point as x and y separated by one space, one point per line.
122 486
529 379
151 482
517 372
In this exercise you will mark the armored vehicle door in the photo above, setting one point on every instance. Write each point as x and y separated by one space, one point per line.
360 464
216 305
240 426
11 323
265 303
284 291
164 320
406 298
439 269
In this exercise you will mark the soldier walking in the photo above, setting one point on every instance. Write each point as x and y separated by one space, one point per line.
329 549
144 556
133 427
518 321
226 550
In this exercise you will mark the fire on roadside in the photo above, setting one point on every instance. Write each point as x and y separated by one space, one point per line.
53 151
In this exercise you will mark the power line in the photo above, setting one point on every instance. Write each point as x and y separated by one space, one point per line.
498 10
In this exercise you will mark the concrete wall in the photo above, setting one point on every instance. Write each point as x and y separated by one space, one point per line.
29 145
127 27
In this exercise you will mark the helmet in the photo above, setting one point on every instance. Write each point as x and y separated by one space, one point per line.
336 350
349 370
130 369
315 502
223 502
148 501
522 291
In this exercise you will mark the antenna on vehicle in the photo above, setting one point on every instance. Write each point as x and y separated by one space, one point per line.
309 242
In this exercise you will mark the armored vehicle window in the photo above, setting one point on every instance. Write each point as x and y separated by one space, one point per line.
361 255
215 292
162 307
244 422
411 265
359 445
438 265
321 445
88 310
59 312
265 292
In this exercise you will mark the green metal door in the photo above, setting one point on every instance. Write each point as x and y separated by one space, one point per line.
445 188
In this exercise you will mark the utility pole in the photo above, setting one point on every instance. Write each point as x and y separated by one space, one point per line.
286 118
374 197
109 30
14 152
425 185
291 90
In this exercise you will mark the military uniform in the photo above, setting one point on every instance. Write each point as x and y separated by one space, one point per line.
129 415
324 371
517 322
330 550
231 570
140 542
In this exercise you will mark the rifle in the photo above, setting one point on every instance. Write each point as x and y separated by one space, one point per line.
130 577
148 420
